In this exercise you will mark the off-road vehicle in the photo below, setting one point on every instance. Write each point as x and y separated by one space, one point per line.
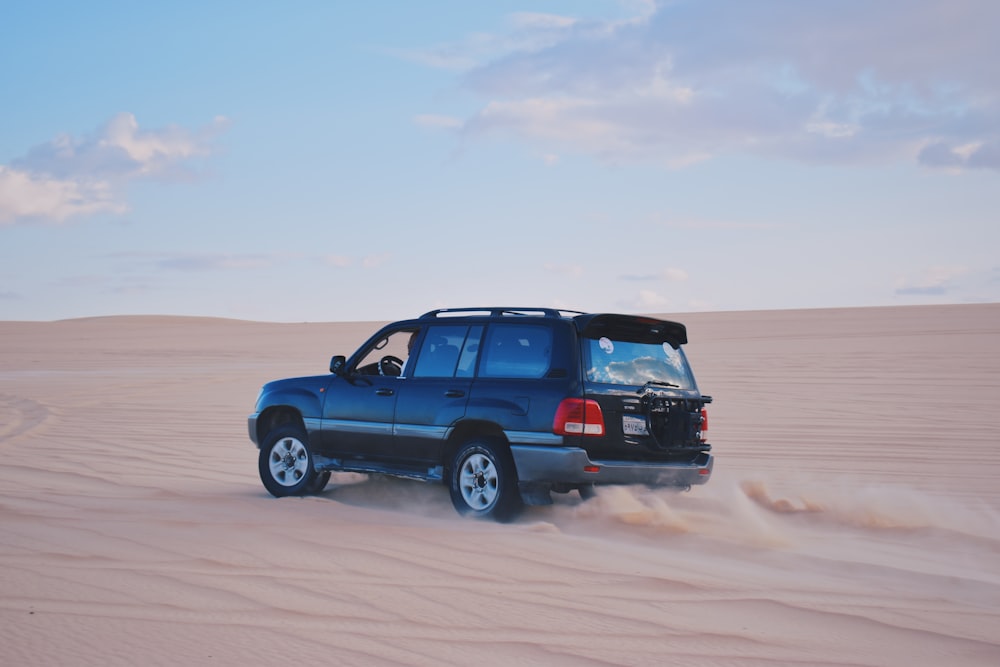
503 405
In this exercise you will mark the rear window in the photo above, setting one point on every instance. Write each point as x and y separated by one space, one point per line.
634 364
516 351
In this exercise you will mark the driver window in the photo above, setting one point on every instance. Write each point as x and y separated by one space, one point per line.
390 353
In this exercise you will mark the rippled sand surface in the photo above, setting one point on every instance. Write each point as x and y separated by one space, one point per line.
853 518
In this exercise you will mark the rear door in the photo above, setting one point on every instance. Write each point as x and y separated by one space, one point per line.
432 394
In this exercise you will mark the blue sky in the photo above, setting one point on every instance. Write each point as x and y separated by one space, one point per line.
324 161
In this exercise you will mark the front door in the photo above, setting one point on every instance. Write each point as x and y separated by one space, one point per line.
360 405
357 416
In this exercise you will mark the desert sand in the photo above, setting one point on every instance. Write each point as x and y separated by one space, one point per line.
853 518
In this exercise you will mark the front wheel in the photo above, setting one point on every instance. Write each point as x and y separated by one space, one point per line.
483 481
285 463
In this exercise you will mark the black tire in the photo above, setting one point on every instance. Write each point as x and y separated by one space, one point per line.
285 463
484 481
319 483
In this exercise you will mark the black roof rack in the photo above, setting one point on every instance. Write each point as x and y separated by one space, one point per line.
500 312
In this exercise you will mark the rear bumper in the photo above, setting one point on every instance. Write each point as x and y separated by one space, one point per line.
572 465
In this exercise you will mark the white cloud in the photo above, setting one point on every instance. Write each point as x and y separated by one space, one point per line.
670 274
538 20
977 154
375 261
648 300
146 149
198 261
564 121
69 177
934 281
829 81
366 262
531 32
830 129
216 262
674 275
27 196
338 261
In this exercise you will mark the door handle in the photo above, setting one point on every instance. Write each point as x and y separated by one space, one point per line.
384 391
454 393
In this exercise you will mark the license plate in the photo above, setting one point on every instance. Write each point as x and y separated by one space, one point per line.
634 425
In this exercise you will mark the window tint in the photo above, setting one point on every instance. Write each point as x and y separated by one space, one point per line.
516 351
439 353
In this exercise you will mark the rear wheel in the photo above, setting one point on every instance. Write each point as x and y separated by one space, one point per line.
285 463
319 483
484 482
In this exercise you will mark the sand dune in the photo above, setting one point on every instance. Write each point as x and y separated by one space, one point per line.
853 519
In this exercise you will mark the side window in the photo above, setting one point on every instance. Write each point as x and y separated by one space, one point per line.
440 351
516 351
395 345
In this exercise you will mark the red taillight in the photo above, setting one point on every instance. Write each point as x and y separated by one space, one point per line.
702 432
578 416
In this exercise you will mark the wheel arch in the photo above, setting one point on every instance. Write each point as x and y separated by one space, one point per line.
466 430
275 416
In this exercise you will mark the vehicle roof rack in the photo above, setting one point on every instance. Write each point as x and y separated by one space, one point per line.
500 312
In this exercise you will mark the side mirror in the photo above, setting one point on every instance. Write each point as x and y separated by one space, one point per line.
337 364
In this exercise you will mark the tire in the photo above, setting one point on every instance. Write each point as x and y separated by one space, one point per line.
319 483
285 463
484 481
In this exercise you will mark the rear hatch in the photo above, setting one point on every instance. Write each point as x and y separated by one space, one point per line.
636 370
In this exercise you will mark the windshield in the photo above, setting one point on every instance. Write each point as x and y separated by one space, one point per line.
617 362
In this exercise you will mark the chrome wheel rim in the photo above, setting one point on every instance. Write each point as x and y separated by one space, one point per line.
289 461
478 481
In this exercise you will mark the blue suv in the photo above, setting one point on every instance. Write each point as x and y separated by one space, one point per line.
503 405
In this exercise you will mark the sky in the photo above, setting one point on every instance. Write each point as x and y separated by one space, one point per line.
353 161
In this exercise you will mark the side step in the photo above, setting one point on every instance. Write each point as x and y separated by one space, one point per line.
325 464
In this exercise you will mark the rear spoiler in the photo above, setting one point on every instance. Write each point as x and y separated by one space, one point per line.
631 328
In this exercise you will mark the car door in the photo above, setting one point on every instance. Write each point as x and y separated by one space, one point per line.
360 404
358 415
433 392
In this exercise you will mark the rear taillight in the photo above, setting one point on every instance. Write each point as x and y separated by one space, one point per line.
578 416
703 428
